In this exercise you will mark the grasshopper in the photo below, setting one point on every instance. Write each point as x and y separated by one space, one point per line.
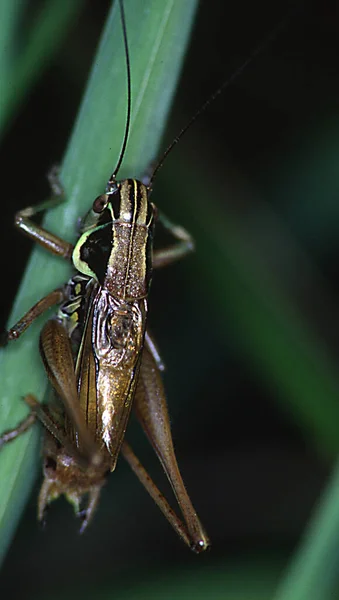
98 354
97 351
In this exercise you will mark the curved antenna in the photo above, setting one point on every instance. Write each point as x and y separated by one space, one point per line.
258 50
129 96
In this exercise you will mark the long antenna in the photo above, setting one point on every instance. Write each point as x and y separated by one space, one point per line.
258 50
129 95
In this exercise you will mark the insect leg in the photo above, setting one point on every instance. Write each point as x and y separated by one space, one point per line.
48 240
154 492
153 349
41 412
12 434
55 297
56 352
184 246
89 511
151 409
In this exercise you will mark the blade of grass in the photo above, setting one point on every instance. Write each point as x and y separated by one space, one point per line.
247 297
10 13
158 35
313 571
23 65
250 579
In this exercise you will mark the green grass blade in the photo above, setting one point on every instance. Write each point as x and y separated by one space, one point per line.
313 572
251 579
21 66
10 13
245 296
158 33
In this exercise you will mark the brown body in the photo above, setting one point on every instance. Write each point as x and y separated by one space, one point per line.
100 359
98 355
103 326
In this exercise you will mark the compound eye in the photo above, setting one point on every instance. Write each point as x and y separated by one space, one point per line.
100 203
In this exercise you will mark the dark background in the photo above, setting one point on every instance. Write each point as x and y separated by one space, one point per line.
251 467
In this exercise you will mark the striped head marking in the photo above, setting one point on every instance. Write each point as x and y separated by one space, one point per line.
115 247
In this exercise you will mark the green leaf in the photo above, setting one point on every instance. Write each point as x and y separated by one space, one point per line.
248 298
25 55
313 571
251 579
158 33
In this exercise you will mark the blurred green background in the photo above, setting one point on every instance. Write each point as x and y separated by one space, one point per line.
248 326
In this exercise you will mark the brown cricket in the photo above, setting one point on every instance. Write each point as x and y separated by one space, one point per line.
98 355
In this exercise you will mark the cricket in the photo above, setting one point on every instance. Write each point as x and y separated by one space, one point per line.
98 355
97 351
